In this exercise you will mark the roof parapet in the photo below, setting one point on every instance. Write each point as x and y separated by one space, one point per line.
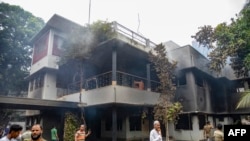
133 35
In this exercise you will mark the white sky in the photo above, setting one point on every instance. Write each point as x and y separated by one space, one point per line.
158 20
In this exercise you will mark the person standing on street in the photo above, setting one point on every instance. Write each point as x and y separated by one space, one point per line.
207 131
54 136
155 133
218 133
37 132
14 132
81 134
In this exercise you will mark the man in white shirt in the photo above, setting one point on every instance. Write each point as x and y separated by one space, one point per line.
155 133
13 133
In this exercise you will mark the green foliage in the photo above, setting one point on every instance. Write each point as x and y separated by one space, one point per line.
164 110
244 100
83 40
17 27
173 112
164 68
78 48
71 125
102 31
228 41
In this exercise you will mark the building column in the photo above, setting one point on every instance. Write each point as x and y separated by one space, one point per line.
114 124
192 92
114 66
225 90
148 78
207 96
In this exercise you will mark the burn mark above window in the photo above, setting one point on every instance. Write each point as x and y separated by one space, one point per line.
199 81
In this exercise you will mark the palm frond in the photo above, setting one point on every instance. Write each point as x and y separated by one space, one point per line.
244 100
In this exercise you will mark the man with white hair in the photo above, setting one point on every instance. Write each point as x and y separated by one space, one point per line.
155 133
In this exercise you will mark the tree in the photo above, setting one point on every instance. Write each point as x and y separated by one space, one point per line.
165 110
229 41
79 47
244 100
17 27
71 125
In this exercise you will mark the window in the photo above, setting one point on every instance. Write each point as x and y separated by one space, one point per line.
184 122
221 118
57 45
119 123
182 79
199 81
37 82
135 123
31 84
202 121
40 48
109 123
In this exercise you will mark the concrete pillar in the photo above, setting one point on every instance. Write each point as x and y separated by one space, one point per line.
114 66
207 97
114 124
192 98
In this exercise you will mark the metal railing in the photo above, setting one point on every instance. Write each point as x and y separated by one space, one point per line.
105 79
133 35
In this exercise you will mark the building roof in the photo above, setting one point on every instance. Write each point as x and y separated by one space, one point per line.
56 22
35 104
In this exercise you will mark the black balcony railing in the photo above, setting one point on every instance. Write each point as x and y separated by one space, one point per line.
105 79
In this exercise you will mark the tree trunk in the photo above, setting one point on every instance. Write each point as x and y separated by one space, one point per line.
167 131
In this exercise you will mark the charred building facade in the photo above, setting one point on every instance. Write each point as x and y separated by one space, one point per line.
119 85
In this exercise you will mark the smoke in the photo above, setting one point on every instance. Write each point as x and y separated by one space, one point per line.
80 43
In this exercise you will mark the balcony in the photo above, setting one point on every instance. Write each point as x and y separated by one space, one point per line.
105 79
130 89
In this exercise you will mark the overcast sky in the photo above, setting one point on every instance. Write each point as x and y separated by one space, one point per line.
158 20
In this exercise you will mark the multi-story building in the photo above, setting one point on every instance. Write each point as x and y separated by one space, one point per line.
119 84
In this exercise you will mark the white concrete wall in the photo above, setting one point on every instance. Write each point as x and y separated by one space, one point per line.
49 88
117 94
49 60
188 135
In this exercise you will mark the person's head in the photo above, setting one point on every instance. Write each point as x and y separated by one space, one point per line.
37 131
82 127
219 126
208 122
157 125
15 131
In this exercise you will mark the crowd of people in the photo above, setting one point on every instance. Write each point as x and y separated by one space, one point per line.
217 135
15 132
34 133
